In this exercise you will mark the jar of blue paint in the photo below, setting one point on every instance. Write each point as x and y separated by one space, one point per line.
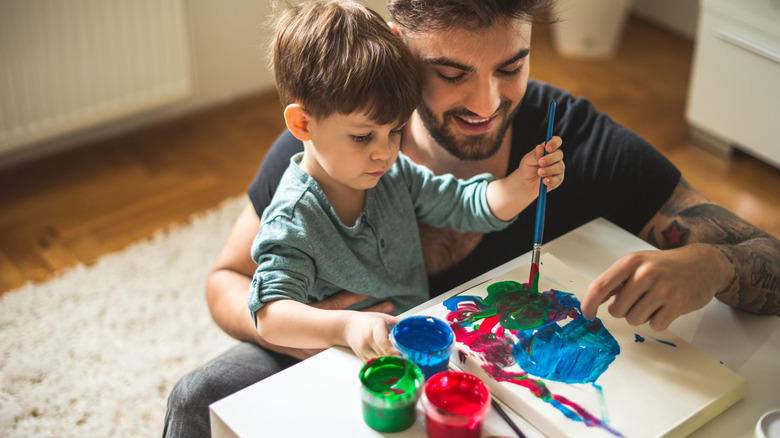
426 341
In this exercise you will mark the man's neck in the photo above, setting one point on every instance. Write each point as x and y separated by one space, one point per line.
421 148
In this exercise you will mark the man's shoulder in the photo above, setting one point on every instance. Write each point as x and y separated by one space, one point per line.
540 93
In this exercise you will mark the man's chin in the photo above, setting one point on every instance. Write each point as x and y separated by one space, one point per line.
472 147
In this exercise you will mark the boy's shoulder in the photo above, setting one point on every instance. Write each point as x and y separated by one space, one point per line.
295 198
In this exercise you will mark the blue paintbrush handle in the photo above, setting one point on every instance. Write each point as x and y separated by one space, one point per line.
542 201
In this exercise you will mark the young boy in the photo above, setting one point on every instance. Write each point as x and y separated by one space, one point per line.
345 214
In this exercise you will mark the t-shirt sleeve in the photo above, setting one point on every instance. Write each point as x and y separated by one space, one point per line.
264 185
445 201
285 270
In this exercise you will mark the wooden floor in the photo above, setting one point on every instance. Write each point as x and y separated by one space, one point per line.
81 204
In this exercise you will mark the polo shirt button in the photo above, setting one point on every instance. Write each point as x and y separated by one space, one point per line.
382 243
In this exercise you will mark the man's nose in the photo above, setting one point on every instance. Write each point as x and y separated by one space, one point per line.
485 97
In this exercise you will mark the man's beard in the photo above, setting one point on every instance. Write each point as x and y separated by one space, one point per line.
473 147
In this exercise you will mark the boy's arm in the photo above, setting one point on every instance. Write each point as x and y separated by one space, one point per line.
229 280
508 196
297 325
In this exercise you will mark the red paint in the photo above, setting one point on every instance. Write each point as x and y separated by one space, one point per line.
455 405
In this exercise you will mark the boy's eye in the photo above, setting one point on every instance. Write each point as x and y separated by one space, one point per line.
397 131
361 138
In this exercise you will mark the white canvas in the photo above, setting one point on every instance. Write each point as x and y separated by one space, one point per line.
652 389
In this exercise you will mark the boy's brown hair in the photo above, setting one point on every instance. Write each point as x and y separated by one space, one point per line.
341 57
433 15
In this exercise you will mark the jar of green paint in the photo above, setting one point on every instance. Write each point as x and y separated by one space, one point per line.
391 386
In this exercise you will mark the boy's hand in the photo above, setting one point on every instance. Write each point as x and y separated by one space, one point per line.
507 197
535 165
368 334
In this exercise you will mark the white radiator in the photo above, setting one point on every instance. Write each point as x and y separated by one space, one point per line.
70 64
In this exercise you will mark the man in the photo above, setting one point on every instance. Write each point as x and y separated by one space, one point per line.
480 113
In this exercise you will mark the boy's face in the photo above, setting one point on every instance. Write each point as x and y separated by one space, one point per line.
472 84
351 150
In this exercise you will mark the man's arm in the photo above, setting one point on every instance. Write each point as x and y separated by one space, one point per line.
227 287
708 252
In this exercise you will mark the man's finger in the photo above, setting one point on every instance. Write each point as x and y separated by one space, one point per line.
603 287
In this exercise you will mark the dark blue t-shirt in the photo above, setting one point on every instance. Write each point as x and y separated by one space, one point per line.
610 172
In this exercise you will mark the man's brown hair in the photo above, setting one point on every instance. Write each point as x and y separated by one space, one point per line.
434 15
341 57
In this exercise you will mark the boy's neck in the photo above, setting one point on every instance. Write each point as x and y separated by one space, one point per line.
420 147
348 203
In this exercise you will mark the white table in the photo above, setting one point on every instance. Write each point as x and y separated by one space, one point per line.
320 396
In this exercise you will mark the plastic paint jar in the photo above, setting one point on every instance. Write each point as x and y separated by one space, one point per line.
391 386
426 340
455 404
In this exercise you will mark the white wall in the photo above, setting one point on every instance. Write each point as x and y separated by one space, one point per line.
229 39
679 16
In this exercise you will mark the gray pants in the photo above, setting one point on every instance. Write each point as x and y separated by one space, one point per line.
233 370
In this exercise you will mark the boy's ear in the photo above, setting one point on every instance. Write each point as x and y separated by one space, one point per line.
297 120
394 28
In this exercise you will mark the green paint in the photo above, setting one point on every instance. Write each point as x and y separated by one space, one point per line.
391 387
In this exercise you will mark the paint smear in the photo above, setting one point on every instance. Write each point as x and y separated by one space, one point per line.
533 279
544 334
639 338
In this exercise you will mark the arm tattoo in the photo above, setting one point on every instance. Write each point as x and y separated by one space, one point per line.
755 286
753 254
675 235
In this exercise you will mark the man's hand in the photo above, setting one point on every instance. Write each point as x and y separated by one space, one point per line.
706 251
658 286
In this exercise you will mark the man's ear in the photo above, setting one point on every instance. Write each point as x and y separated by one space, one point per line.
297 120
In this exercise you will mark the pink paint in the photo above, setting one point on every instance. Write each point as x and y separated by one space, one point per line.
534 271
455 405
533 279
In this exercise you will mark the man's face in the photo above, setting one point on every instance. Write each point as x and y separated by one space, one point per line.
473 83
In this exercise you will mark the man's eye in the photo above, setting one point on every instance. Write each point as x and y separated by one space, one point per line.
361 138
451 79
511 72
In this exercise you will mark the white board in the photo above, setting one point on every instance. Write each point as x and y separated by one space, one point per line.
652 389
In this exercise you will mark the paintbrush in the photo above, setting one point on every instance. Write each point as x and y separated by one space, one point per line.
540 207
506 418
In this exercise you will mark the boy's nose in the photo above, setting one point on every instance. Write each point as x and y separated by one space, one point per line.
382 151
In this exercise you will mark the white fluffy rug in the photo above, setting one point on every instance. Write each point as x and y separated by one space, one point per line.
96 352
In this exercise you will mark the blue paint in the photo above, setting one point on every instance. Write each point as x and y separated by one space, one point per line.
544 334
578 352
638 338
452 303
426 341
672 344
